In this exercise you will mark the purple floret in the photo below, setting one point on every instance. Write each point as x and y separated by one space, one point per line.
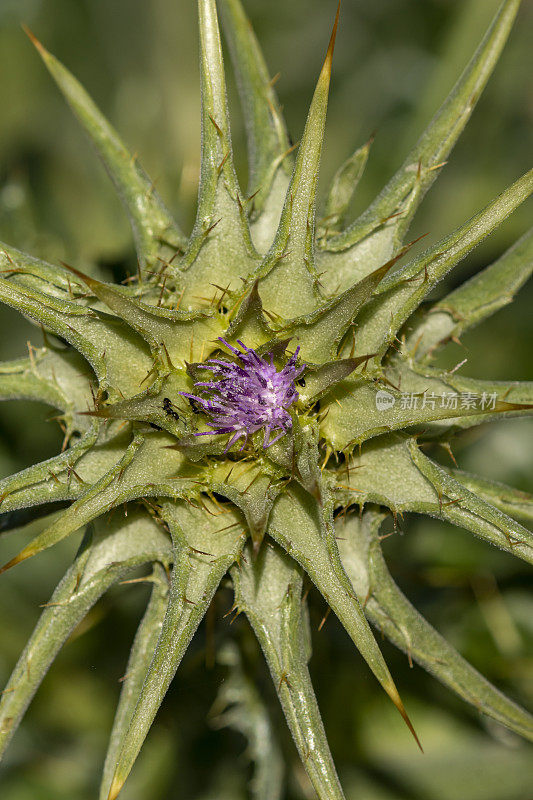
248 395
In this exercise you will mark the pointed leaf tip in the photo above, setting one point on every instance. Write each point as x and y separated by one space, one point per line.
90 282
221 220
12 563
34 40
326 69
407 188
26 552
155 231
116 788
397 700
267 136
290 260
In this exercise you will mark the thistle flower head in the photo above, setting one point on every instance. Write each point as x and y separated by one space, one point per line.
248 394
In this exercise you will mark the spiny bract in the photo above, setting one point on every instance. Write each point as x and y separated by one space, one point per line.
121 361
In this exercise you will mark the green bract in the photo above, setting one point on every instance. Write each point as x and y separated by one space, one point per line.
259 268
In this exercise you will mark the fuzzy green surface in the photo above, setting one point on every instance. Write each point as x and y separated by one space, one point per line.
261 267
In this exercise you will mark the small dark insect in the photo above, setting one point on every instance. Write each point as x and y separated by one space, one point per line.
167 408
194 406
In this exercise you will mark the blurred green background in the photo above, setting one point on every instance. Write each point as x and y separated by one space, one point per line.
394 63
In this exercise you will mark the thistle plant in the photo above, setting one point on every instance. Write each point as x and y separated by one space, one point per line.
258 398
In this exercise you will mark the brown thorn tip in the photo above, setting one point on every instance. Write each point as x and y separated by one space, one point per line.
85 278
13 562
396 699
329 55
33 39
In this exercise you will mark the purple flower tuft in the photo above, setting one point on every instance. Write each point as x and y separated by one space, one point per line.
247 395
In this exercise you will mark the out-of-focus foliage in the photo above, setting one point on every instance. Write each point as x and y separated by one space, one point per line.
138 58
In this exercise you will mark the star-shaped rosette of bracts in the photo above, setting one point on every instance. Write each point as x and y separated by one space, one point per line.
224 411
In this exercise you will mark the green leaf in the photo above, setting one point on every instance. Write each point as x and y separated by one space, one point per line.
220 252
299 456
239 705
383 472
319 381
478 298
249 323
319 333
467 509
309 537
58 377
140 472
358 409
290 261
195 578
157 406
401 293
269 160
118 546
511 501
342 189
391 612
269 590
252 491
392 471
70 474
183 334
152 225
119 357
33 273
305 460
500 398
379 230
51 480
138 663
